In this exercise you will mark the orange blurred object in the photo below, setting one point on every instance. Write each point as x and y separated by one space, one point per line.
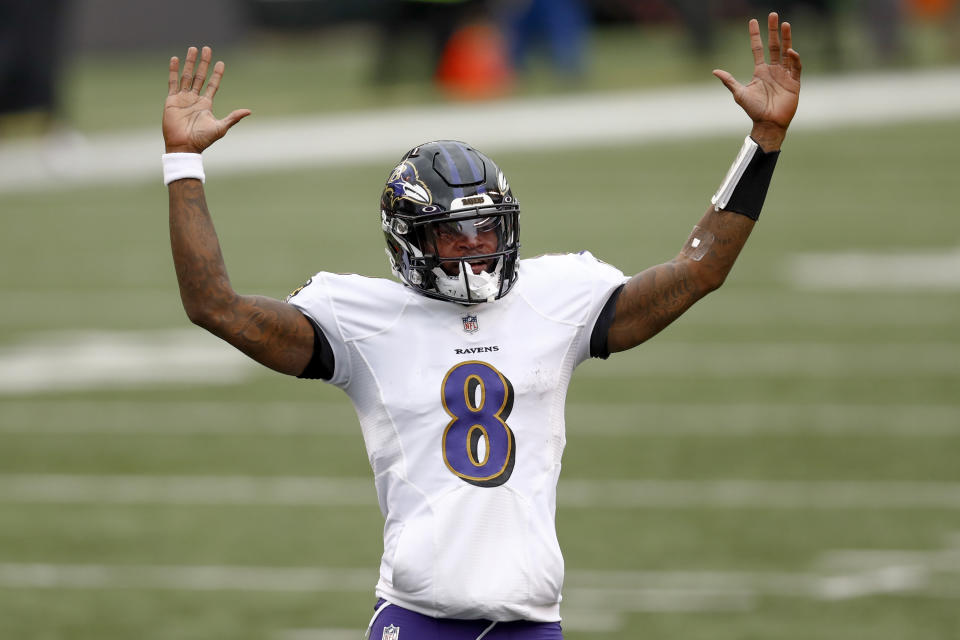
932 8
474 64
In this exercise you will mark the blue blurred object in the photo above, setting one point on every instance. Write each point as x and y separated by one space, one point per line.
560 24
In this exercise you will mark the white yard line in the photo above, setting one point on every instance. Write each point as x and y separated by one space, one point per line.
337 418
864 309
521 124
268 418
745 420
594 600
116 359
187 490
63 361
191 578
592 620
598 590
749 494
872 559
890 271
583 494
825 584
619 590
796 359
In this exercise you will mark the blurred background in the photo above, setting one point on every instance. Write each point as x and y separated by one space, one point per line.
780 463
301 56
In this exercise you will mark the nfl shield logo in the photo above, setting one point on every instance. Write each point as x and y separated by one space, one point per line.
470 324
391 633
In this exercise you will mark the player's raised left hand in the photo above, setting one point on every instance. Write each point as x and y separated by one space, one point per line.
189 125
771 97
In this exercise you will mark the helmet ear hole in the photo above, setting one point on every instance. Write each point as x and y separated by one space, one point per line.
392 246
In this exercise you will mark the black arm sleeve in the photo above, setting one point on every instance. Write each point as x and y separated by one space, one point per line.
320 366
748 196
598 339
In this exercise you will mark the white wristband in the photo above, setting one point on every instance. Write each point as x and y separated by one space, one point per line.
730 181
177 166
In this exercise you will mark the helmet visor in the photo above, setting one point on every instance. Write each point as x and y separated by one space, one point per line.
457 239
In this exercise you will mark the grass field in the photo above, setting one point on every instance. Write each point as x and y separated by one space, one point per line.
782 463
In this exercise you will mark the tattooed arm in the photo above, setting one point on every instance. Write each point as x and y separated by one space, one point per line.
271 332
657 296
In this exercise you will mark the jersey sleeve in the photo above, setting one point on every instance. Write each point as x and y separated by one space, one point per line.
598 336
574 289
315 301
602 281
348 307
322 361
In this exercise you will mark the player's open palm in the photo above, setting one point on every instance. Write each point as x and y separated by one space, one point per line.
189 125
772 95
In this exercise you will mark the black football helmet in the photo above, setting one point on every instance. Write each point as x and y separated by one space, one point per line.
451 223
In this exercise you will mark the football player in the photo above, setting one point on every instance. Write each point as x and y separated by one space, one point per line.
459 370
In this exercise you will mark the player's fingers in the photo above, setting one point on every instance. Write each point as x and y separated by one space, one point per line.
756 44
728 80
174 75
201 74
215 77
773 33
234 117
786 34
794 64
187 78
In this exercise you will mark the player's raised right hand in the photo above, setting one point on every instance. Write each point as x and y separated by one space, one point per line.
189 125
772 95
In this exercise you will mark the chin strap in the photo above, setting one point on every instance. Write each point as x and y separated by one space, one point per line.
483 285
468 286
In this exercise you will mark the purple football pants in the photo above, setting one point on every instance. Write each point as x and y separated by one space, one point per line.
397 623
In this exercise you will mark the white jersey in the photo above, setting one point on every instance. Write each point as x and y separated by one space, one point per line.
462 412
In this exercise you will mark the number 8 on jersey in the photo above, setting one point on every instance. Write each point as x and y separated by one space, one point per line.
478 446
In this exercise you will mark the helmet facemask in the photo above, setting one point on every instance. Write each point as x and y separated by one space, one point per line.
468 256
450 239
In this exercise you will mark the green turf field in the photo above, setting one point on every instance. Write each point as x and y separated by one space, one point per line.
782 463
757 450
